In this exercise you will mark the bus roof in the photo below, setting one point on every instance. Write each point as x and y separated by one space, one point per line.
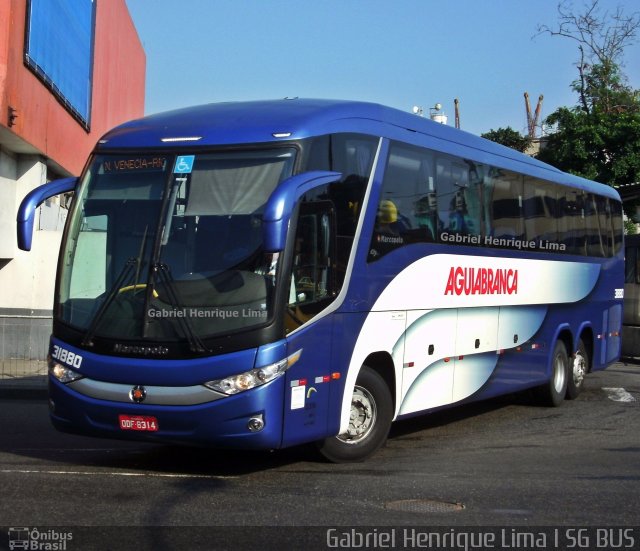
274 121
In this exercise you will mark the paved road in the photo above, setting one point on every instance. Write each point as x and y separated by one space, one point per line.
501 463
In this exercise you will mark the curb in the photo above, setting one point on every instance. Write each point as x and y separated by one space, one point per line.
33 388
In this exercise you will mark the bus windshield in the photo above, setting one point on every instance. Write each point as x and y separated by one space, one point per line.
165 247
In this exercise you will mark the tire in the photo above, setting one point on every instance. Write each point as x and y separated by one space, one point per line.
371 415
553 392
580 365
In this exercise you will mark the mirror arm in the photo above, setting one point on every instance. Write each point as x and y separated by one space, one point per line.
27 209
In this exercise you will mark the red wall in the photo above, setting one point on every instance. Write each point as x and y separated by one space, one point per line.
118 85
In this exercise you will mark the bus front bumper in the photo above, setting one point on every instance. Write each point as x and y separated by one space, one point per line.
248 420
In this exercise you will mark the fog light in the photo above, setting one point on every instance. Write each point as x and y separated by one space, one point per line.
256 423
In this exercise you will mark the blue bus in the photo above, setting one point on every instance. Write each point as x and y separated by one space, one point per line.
264 274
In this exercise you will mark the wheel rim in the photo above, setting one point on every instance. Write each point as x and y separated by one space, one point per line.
579 369
362 417
559 373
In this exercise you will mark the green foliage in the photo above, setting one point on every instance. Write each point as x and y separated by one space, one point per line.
509 137
630 227
599 145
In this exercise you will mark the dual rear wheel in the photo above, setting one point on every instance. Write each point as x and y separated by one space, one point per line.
567 375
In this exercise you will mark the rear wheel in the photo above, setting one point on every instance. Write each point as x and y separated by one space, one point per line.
553 392
579 368
369 423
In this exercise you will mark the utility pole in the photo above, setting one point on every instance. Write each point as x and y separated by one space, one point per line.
457 112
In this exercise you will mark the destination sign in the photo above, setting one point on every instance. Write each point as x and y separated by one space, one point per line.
134 164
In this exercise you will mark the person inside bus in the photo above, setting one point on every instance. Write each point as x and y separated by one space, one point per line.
426 215
459 219
387 218
387 235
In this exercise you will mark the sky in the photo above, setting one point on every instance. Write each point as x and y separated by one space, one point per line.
400 53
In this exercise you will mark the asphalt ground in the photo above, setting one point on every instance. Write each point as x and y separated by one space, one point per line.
502 465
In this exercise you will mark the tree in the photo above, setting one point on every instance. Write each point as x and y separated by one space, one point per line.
599 138
601 42
509 137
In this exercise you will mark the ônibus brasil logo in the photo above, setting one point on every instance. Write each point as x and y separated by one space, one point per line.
38 540
481 281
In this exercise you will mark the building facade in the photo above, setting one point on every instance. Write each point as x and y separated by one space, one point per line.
69 71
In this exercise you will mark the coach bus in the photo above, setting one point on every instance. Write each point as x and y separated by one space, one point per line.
260 275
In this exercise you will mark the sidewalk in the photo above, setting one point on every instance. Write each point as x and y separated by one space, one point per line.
25 379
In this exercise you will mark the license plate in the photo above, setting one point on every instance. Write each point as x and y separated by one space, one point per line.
138 422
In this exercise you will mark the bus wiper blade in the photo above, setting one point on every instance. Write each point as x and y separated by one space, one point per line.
165 277
113 291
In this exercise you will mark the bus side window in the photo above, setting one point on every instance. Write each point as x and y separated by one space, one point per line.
504 189
571 221
446 192
616 225
474 198
595 234
352 155
460 219
604 224
313 284
539 209
406 212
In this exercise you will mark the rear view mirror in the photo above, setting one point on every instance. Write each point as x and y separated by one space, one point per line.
283 200
27 209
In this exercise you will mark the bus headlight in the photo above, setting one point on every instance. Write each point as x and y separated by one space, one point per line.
63 373
253 378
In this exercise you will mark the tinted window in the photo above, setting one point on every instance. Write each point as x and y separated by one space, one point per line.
504 191
407 207
434 197
539 209
458 196
352 155
571 221
616 221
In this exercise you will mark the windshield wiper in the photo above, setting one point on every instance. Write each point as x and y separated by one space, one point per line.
127 269
164 276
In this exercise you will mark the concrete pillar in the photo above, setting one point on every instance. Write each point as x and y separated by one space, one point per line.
26 278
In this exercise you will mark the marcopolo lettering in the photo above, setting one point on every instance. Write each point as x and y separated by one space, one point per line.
141 350
481 281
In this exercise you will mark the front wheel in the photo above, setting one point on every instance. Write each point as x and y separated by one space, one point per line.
552 393
370 419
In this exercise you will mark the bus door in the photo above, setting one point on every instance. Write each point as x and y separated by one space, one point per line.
312 289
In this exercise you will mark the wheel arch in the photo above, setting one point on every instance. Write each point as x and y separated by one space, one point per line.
382 363
565 335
